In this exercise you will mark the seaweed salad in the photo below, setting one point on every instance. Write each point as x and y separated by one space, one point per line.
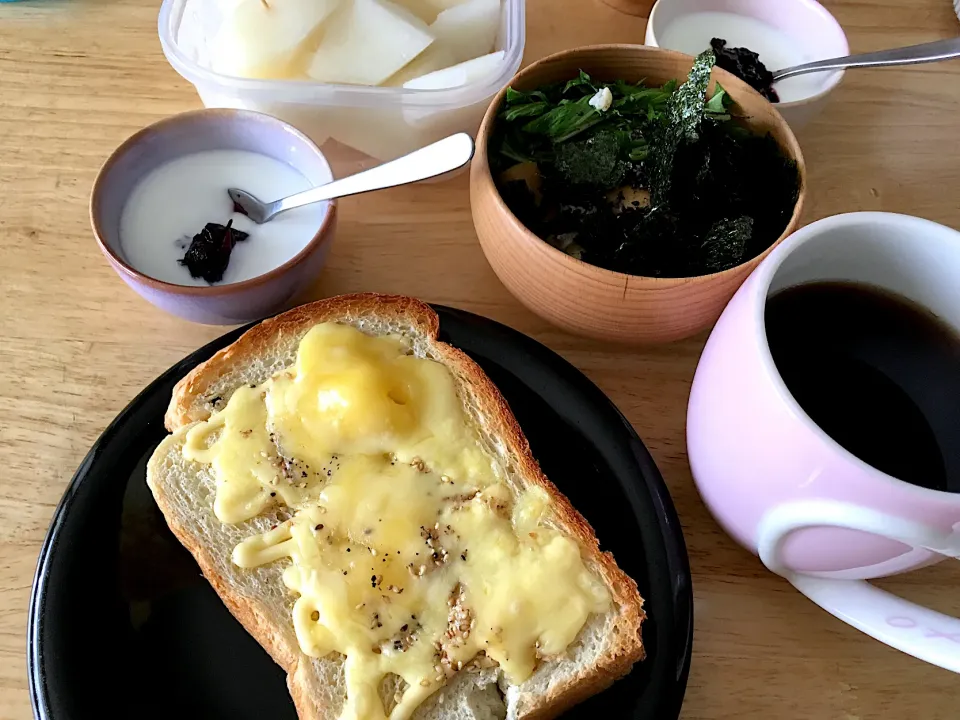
660 182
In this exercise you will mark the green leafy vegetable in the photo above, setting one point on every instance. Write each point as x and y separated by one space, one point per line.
664 182
642 102
534 109
565 121
515 97
511 148
719 105
580 81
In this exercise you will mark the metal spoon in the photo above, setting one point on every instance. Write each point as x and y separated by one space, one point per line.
442 156
912 55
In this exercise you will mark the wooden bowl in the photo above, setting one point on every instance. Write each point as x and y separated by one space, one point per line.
592 301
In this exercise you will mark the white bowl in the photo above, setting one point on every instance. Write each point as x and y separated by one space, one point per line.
805 21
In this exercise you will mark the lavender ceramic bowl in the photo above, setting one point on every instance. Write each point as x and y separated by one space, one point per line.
806 22
197 131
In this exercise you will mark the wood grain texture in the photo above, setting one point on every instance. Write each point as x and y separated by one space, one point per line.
585 299
76 345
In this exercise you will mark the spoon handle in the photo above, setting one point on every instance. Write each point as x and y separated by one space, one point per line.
927 52
440 157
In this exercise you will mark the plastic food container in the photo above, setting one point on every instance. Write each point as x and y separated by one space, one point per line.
356 126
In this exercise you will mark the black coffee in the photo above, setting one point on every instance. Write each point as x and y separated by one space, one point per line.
876 372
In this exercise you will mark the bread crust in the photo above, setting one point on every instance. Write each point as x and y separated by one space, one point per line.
246 612
190 404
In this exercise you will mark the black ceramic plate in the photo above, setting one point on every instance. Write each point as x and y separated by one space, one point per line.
122 625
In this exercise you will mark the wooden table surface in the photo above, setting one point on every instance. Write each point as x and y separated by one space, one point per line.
76 345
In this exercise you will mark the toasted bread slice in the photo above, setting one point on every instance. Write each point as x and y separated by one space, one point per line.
605 649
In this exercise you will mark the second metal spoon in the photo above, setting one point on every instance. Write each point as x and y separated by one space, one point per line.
912 55
436 159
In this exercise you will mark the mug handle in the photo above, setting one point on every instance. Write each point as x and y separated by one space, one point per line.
926 634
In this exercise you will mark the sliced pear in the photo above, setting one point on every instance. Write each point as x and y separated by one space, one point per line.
228 6
468 30
259 38
441 5
367 41
427 10
457 75
423 9
435 57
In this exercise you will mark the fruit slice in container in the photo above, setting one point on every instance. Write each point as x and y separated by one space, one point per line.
468 30
435 57
426 10
441 5
259 38
367 41
423 9
461 74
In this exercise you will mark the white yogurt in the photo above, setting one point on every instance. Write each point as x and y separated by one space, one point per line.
173 203
691 34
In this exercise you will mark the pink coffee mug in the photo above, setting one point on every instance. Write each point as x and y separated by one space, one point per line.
783 488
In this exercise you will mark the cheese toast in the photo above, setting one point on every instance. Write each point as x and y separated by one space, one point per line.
367 424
